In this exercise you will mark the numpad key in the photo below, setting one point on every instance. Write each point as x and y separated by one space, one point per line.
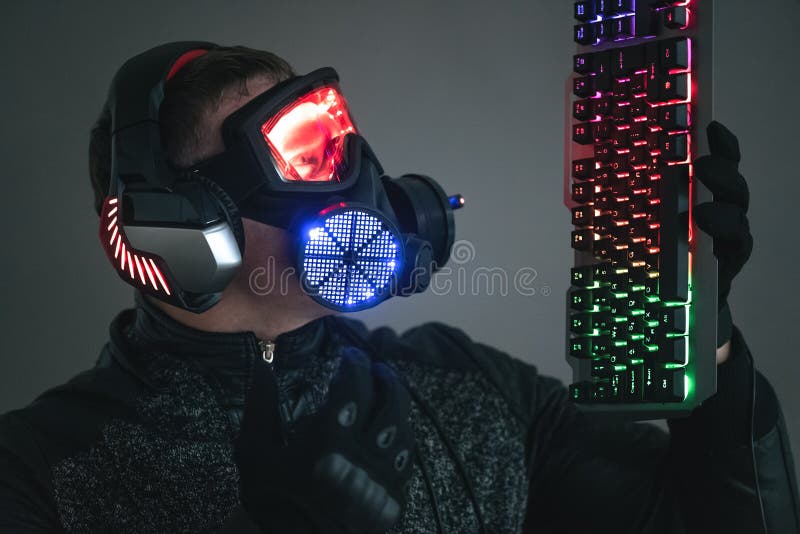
641 309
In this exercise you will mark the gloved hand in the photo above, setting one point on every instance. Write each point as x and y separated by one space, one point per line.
724 219
342 469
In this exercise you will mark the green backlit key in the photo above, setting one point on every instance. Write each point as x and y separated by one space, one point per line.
663 385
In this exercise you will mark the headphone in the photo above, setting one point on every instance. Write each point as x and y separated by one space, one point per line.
172 234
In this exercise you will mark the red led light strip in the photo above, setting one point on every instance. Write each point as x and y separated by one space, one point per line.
126 259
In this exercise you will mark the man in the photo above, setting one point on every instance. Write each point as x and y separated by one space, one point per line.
313 423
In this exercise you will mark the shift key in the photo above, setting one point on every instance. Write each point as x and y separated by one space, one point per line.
674 234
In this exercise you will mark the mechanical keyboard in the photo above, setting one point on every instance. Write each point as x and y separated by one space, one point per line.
641 309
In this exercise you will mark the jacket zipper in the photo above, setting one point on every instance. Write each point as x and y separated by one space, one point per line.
267 350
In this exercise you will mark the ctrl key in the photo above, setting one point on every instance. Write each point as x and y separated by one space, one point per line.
664 385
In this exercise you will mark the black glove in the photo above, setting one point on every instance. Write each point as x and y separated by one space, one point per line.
724 219
343 469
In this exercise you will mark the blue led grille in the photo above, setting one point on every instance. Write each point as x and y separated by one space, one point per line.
349 259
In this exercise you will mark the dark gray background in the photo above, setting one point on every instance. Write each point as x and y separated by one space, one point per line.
469 92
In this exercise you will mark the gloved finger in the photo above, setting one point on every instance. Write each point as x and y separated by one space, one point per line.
351 393
722 142
389 430
733 254
732 258
723 179
722 221
355 495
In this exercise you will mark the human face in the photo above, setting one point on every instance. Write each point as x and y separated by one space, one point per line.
268 250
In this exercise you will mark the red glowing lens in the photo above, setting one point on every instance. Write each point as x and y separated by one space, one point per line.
306 138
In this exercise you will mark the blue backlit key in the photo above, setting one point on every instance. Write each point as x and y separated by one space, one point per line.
584 10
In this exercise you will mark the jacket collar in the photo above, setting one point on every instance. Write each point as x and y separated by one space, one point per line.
227 358
153 328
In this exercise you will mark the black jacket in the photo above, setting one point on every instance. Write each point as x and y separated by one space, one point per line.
143 441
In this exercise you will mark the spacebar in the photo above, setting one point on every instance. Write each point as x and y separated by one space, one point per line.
674 239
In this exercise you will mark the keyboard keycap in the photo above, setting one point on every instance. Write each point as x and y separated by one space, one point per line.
672 350
638 156
639 108
673 147
584 10
622 28
602 106
583 169
583 276
622 7
581 323
584 34
638 85
582 300
583 86
602 69
603 345
620 138
672 319
637 180
638 133
674 234
633 384
582 239
582 63
676 17
645 19
651 68
602 130
580 347
627 60
619 165
582 193
663 385
603 30
602 82
674 118
621 91
604 7
622 116
674 54
674 87
581 216
604 152
582 109
603 369
582 133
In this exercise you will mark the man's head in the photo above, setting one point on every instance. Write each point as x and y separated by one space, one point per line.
197 99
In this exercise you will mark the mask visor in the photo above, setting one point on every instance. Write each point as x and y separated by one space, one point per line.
306 138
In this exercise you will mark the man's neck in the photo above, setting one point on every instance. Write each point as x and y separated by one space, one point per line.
266 321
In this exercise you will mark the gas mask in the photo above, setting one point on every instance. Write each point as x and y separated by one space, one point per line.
294 159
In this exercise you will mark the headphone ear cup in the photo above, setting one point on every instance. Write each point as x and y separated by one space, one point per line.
229 206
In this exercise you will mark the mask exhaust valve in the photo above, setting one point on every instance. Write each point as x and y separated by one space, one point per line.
350 257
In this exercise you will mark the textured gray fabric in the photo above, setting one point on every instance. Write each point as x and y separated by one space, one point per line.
170 467
488 440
